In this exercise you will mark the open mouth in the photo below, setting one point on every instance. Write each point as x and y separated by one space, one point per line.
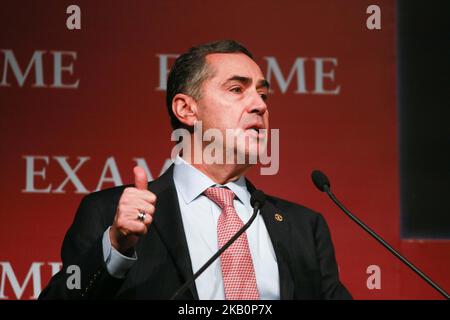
256 129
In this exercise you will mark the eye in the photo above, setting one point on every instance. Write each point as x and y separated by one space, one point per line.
236 89
263 96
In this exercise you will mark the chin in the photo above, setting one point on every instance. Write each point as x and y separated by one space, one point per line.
248 154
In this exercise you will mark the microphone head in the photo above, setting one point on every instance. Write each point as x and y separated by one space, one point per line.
320 180
258 197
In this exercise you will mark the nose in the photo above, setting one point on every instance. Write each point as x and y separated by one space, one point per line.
258 105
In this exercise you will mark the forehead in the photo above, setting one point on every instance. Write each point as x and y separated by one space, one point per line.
225 65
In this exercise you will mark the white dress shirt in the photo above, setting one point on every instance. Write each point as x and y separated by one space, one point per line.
200 215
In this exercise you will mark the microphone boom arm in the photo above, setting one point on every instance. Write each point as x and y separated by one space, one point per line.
385 244
218 253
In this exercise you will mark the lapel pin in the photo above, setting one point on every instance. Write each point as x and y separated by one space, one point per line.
278 217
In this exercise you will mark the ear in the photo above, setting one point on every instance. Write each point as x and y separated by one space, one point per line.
184 107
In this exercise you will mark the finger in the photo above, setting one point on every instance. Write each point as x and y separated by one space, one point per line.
146 195
131 214
135 216
140 178
130 194
137 224
148 220
141 205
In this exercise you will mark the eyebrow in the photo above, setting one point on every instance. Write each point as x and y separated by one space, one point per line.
263 83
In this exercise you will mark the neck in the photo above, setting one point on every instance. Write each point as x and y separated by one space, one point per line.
222 173
219 173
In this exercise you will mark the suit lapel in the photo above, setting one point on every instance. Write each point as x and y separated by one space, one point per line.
279 227
169 226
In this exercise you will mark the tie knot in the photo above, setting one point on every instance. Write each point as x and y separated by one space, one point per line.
223 197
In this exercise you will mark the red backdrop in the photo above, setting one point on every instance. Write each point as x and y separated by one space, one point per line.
117 111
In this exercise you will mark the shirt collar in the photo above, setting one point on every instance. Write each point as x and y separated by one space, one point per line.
191 182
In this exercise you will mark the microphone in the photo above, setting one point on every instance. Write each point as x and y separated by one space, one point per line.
322 183
257 201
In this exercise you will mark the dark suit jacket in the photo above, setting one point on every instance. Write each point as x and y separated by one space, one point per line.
301 240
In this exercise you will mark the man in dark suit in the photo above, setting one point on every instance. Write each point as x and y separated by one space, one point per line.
144 241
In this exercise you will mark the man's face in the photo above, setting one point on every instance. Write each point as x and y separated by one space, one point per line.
234 97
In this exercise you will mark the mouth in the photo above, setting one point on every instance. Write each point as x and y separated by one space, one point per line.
254 130
256 126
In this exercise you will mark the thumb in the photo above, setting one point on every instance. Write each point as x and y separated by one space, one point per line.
140 178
